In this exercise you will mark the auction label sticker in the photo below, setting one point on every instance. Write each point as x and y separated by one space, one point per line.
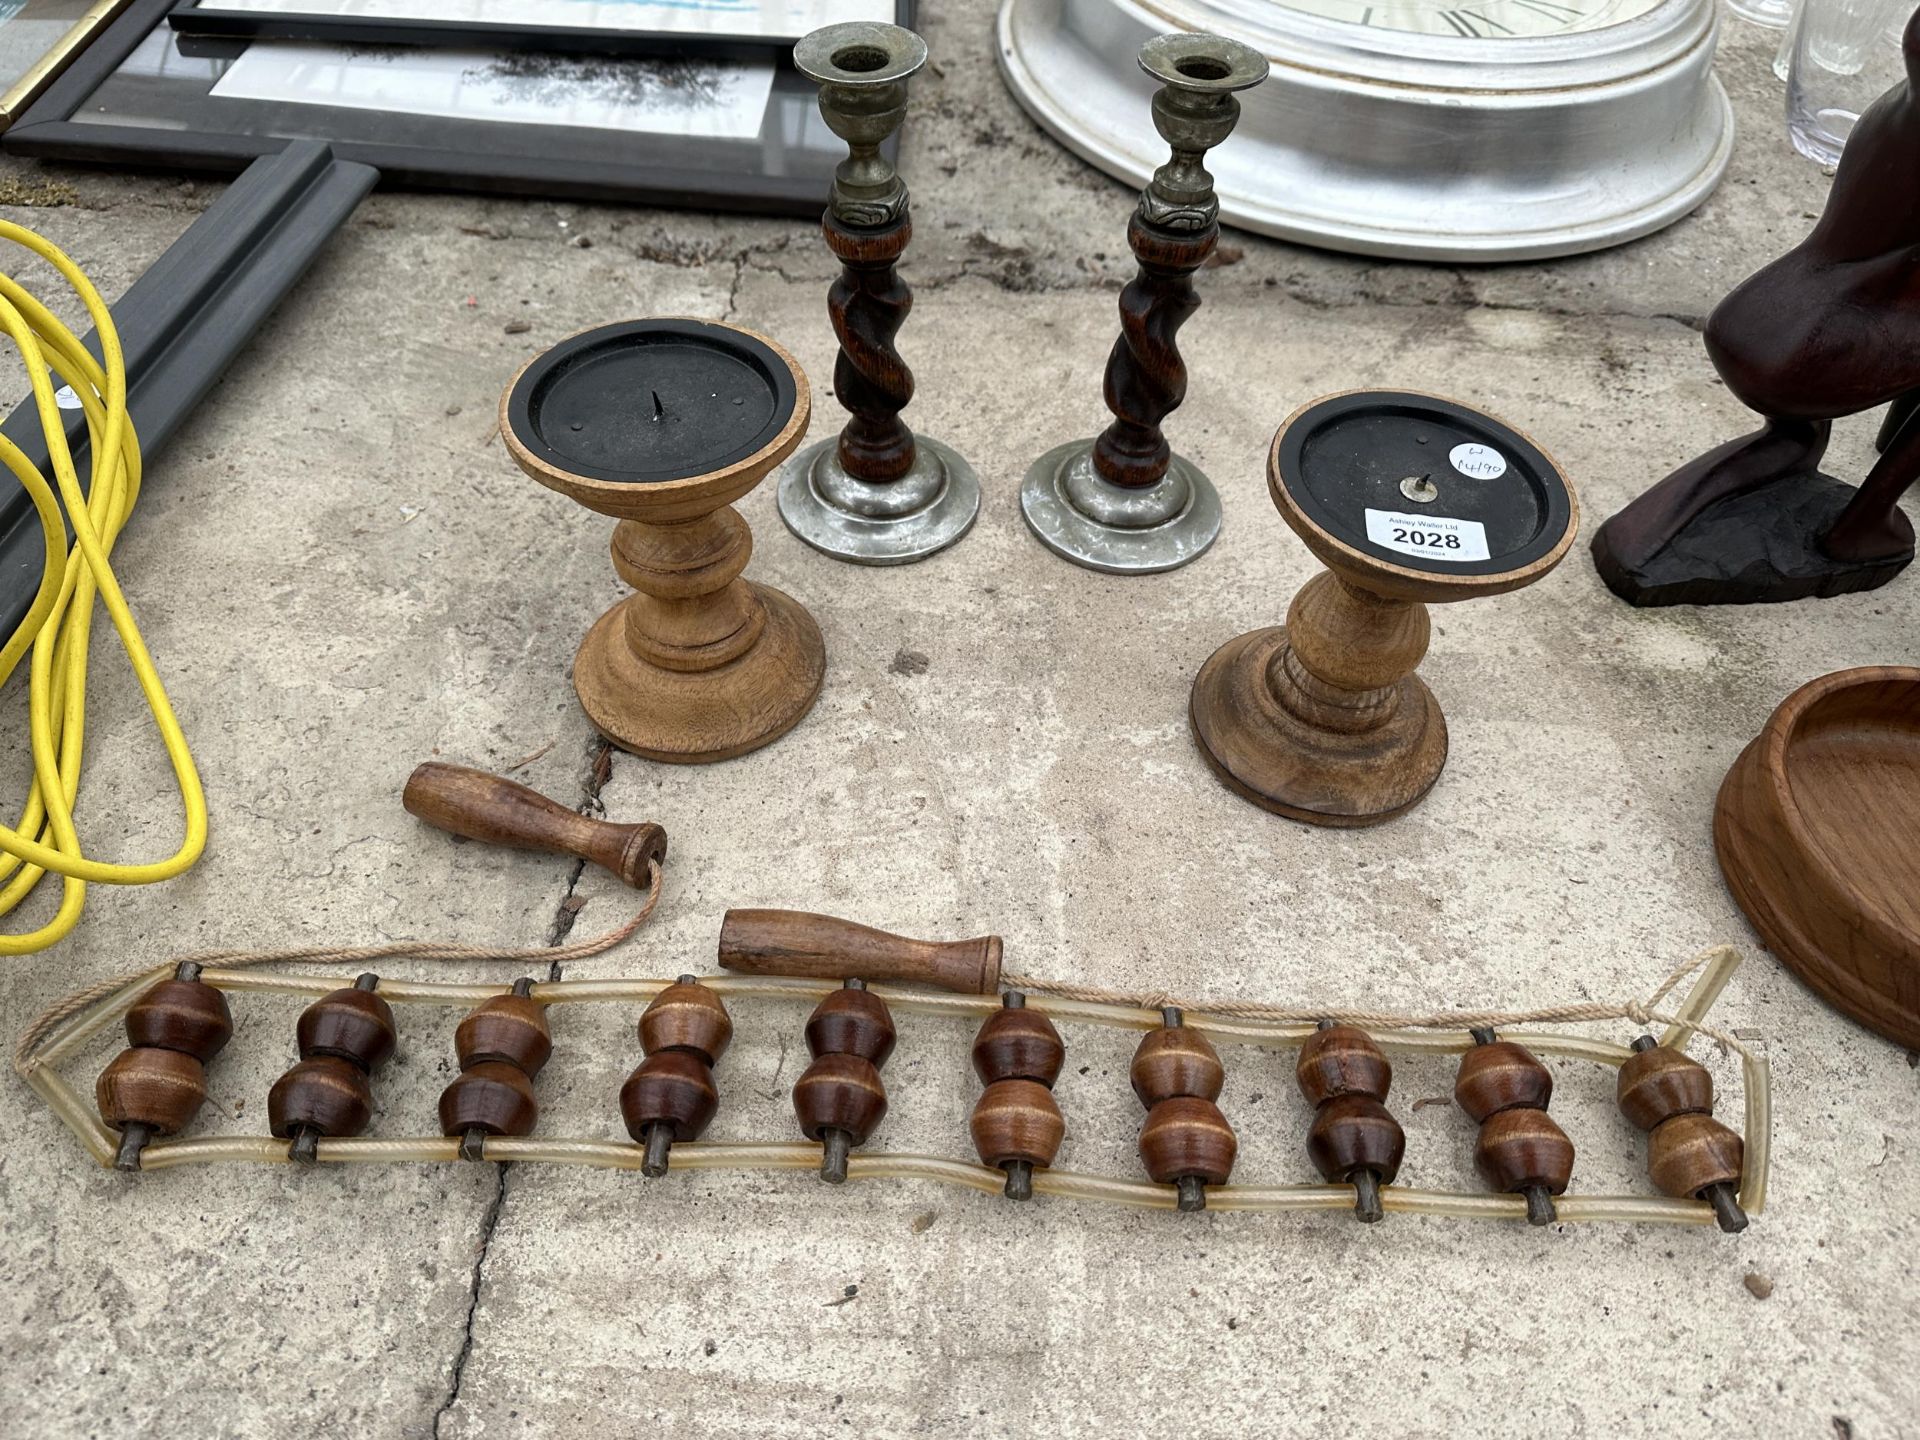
1479 462
1431 537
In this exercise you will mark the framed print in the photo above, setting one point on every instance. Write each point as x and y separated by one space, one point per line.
686 132
740 29
37 40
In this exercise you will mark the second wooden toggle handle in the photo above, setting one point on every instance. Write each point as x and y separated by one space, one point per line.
820 947
500 811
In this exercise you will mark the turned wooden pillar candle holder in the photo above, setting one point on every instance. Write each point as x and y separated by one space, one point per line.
1124 502
876 494
1408 500
663 424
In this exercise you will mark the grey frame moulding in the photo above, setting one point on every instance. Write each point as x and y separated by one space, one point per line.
786 170
182 323
211 18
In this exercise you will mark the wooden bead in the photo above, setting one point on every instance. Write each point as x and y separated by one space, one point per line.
840 1092
1354 1133
506 1030
687 1016
489 1095
326 1095
1660 1082
673 1088
1018 1044
1173 1062
852 1021
1353 1140
160 1089
1689 1153
1017 1121
189 1016
1342 1060
1692 1153
1523 1148
1501 1076
1187 1138
351 1024
1520 1149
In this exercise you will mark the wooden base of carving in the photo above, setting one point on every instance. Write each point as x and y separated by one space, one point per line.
1758 546
1357 743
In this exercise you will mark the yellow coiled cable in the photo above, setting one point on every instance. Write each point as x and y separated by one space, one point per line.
58 627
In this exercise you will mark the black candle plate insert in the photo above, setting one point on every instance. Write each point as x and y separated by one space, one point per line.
1424 484
650 401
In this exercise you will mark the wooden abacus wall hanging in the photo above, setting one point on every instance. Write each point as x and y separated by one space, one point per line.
854 978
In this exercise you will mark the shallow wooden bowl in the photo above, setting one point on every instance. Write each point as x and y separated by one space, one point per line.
1818 832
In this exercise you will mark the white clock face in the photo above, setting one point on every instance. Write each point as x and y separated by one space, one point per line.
1478 19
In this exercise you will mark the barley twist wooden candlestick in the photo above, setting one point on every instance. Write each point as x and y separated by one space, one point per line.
662 424
1124 502
876 494
1408 500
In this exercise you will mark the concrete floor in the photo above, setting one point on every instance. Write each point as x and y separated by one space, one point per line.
342 574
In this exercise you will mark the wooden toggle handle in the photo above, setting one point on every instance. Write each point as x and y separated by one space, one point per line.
819 947
505 812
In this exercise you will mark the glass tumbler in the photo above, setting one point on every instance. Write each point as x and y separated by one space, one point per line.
1846 55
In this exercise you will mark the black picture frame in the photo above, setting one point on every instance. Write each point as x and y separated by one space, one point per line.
218 19
786 170
183 321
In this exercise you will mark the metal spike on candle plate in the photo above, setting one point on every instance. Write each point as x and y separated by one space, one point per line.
875 494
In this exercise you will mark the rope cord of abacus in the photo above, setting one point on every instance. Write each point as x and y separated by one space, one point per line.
1645 1012
59 623
70 1005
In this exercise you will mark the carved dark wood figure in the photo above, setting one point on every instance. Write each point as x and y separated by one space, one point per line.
1124 502
1830 329
877 495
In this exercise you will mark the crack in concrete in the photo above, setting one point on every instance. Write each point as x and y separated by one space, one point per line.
599 770
488 1225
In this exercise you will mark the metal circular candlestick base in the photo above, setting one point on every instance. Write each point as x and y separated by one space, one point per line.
1263 752
920 514
1085 519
